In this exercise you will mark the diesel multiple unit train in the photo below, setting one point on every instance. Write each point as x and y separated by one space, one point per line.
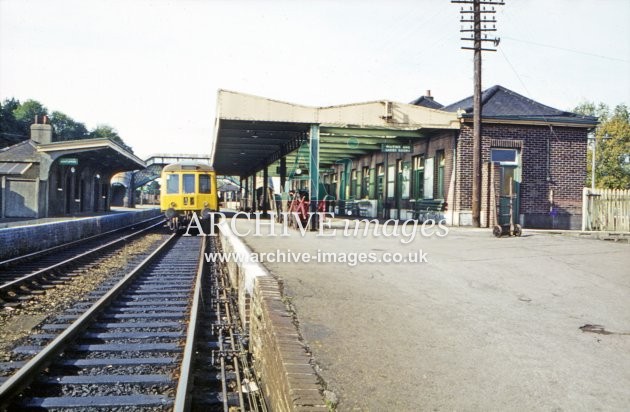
187 188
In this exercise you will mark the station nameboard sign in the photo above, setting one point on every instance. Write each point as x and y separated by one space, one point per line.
395 148
69 161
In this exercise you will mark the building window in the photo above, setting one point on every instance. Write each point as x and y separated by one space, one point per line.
380 181
365 186
353 184
172 184
504 156
372 190
404 176
204 184
344 183
439 163
391 181
417 191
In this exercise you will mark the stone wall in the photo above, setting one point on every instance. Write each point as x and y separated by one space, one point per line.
281 361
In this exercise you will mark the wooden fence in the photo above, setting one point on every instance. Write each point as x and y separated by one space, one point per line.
606 209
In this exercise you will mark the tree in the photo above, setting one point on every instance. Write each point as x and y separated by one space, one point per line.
67 128
11 130
16 119
153 187
105 131
25 114
611 170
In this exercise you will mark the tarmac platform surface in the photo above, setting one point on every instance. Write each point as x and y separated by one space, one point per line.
484 324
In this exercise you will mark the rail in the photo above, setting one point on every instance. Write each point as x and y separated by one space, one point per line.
25 375
14 284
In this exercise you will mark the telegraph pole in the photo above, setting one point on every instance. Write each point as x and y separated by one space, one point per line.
477 13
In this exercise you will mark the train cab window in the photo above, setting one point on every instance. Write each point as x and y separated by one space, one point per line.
189 183
172 184
204 184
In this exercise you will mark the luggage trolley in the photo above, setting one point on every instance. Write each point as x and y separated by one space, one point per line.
504 213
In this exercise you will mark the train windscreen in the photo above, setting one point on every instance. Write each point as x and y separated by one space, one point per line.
204 184
172 184
189 183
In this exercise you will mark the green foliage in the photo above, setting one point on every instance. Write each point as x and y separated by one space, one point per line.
16 119
27 111
25 114
154 186
67 128
613 145
105 131
10 129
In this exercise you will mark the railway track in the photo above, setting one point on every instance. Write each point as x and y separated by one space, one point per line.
139 344
24 276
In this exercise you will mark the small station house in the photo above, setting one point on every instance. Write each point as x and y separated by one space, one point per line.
42 178
387 156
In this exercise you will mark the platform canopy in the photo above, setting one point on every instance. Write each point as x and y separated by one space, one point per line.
254 132
103 152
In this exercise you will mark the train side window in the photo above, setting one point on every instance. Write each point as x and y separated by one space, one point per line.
172 184
204 184
189 183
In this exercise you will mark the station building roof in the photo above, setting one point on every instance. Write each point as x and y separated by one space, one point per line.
252 132
109 156
503 105
99 151
427 101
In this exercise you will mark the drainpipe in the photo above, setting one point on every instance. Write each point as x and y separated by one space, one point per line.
265 199
549 155
3 197
453 189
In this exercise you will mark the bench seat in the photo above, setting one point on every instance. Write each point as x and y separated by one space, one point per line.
426 209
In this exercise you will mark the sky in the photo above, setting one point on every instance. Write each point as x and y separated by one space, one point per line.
152 69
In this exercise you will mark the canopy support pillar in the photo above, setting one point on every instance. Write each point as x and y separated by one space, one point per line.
313 171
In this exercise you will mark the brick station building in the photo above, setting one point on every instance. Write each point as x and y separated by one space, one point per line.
393 158
542 149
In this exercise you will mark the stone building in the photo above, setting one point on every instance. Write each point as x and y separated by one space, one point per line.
42 178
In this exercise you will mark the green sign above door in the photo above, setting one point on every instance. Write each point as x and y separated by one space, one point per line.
395 148
69 161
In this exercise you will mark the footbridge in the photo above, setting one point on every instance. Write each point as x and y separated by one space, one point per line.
154 165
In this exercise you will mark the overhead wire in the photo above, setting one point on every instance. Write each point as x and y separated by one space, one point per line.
529 95
567 49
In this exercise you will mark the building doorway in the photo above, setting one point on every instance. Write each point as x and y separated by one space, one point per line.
68 190
509 174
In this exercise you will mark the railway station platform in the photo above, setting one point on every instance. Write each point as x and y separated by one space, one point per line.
21 236
540 322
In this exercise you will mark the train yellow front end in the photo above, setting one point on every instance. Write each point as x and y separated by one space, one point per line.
188 187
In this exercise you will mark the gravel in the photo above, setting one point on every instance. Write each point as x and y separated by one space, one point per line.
16 324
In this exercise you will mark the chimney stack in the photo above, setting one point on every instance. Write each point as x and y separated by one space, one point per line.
41 133
428 95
